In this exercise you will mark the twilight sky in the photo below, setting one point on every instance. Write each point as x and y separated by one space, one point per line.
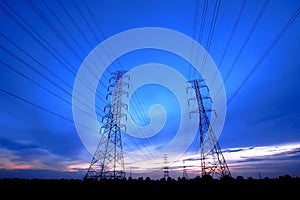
254 44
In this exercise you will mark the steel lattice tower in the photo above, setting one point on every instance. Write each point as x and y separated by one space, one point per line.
212 161
108 160
166 167
184 172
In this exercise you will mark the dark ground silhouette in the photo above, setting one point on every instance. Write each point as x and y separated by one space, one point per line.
242 188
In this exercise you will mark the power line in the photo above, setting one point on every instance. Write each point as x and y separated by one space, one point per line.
64 27
230 37
35 105
203 21
39 39
39 63
94 19
32 68
39 73
85 20
232 32
195 25
40 14
36 37
33 81
136 101
83 35
75 24
261 12
141 115
45 88
211 30
96 22
213 24
51 92
202 25
277 38
40 107
93 32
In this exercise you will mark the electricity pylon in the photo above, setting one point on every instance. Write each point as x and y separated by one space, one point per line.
108 160
212 160
184 172
166 167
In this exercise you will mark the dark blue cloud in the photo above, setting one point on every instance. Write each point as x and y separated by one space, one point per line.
291 155
236 150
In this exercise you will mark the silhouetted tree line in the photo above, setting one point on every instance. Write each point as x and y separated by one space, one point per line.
285 186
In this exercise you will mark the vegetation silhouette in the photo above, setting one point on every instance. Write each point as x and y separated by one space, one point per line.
227 186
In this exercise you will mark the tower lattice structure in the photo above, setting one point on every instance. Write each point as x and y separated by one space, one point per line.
211 157
166 167
108 160
184 172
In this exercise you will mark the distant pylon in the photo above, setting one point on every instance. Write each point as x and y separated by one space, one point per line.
108 160
212 160
184 172
166 167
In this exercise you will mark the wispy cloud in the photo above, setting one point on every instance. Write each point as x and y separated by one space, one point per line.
7 160
248 161
270 117
263 152
39 159
270 160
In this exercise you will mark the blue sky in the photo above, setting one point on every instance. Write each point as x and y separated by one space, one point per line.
43 44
